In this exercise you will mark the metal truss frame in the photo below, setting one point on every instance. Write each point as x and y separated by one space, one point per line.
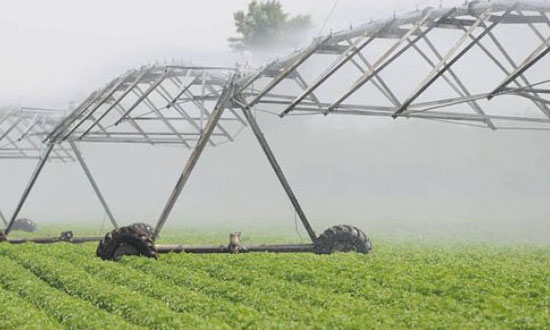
225 108
469 25
196 107
22 131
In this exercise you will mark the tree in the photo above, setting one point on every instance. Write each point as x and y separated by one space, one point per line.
266 25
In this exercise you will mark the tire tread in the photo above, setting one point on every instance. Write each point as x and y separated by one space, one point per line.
353 238
130 235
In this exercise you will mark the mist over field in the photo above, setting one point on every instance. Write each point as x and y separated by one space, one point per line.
392 178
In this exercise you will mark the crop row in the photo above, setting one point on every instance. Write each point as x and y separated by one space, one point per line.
302 290
178 298
16 313
398 286
118 300
460 287
323 304
69 311
445 287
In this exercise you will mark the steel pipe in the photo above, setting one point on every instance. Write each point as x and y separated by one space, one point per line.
276 248
53 240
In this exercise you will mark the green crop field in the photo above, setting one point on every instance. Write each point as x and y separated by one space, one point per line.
402 284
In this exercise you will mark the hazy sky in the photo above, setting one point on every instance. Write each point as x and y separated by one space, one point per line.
56 51
344 170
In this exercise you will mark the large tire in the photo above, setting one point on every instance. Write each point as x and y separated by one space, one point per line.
343 238
26 225
146 228
126 241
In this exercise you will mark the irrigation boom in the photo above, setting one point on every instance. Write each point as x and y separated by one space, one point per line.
483 64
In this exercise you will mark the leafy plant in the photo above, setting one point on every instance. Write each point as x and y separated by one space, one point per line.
401 285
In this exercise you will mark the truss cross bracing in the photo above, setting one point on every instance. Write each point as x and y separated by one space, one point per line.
22 134
22 131
483 64
154 105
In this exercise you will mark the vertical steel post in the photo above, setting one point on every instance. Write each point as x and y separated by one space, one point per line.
93 183
215 116
277 168
30 185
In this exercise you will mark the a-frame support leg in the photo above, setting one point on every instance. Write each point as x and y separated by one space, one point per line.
88 173
215 115
278 171
227 96
3 219
30 185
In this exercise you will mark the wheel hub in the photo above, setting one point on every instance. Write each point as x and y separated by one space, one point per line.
125 250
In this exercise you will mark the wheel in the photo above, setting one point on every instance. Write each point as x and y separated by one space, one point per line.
26 225
126 241
343 238
146 228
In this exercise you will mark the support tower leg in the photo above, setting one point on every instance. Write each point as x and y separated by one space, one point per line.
227 96
3 219
93 183
278 171
195 155
30 185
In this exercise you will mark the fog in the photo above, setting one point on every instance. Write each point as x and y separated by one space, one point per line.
389 177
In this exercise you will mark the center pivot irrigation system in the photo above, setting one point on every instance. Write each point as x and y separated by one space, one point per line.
481 64
22 132
20 139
